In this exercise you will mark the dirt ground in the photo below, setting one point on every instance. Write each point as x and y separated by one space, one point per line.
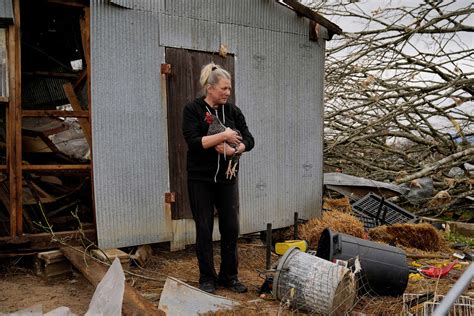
20 288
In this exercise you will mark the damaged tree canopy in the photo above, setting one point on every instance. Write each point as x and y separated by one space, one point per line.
399 92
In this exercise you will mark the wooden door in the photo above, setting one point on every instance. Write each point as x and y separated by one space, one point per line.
183 87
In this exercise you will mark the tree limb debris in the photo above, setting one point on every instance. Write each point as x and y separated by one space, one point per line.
400 91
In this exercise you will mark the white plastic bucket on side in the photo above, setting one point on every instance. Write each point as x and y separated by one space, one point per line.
312 284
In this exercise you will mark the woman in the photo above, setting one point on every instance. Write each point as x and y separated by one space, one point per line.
210 184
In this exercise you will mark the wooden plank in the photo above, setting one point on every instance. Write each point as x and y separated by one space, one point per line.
10 135
76 106
3 99
14 124
50 74
80 79
56 167
310 14
70 3
42 241
133 302
51 256
3 168
54 113
85 34
18 121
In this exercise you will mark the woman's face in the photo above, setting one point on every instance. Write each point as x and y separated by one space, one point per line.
219 92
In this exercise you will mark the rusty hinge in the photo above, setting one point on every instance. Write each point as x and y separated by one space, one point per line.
170 197
165 69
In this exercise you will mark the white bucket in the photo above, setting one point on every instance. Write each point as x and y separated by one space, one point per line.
314 285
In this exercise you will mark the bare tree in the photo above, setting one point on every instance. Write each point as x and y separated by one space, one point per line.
399 91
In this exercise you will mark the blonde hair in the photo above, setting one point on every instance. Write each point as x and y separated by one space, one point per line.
210 75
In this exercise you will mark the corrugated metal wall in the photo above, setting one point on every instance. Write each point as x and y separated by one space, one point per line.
278 83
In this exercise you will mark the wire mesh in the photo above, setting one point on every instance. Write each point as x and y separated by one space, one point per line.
420 305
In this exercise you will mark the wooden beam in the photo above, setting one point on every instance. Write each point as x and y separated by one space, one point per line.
50 74
18 121
56 167
310 14
13 118
85 25
133 302
70 3
54 113
85 35
76 106
3 99
80 78
42 241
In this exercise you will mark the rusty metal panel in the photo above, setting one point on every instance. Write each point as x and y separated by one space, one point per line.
129 127
279 87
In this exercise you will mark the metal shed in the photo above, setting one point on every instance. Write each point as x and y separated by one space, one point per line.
143 61
278 82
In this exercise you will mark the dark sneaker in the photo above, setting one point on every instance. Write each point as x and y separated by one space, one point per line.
208 286
236 286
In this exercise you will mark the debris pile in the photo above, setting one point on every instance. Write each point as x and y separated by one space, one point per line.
53 125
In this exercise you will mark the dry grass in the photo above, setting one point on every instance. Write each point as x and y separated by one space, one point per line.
334 220
342 204
420 236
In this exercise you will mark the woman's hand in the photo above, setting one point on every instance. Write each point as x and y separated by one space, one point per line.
231 136
224 148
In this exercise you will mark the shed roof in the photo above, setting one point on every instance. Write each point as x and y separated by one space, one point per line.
312 15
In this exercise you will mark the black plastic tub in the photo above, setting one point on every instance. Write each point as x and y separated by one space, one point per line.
384 268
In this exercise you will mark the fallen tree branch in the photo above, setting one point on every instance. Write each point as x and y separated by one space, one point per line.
436 165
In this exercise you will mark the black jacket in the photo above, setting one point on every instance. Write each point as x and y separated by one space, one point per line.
202 164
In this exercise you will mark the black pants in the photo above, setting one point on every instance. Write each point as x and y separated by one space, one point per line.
203 197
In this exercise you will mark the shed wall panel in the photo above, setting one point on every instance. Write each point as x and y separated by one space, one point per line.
130 151
183 32
279 81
